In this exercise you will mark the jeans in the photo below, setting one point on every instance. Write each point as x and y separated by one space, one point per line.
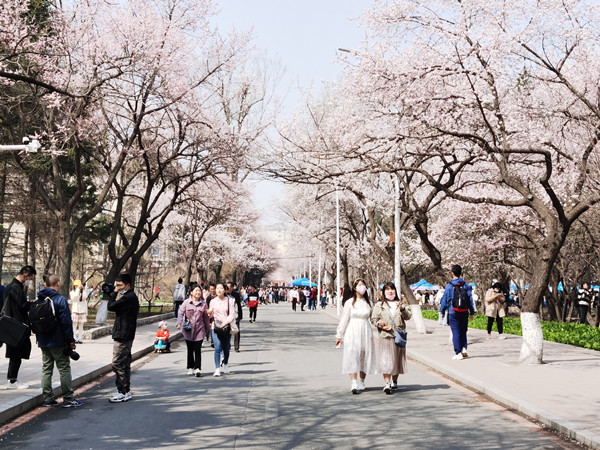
459 322
51 355
222 344
194 354
121 365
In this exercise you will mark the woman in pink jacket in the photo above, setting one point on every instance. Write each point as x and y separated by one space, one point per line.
223 311
194 309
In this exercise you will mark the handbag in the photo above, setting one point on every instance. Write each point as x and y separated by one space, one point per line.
12 331
400 337
187 325
234 328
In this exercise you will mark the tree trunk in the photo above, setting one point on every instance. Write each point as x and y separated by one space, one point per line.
533 339
417 314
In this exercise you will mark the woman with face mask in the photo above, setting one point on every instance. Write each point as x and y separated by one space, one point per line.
389 314
494 309
356 332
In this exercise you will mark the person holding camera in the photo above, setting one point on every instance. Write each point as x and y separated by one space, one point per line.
57 346
124 302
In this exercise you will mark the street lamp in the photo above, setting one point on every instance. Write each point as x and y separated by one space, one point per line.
28 146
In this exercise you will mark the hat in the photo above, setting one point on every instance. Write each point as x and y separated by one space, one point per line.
76 282
161 323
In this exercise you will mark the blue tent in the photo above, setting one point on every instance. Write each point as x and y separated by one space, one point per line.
423 285
303 282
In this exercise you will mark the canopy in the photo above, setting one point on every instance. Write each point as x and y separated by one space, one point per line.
303 282
423 285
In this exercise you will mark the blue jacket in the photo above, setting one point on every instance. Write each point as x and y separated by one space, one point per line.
446 303
63 333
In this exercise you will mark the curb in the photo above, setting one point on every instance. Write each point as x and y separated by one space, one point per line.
547 418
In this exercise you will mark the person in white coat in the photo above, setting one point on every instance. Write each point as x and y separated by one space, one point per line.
356 332
78 298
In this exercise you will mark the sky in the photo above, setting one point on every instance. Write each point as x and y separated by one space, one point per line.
304 37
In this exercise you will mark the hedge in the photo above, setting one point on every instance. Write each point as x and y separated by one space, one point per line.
576 334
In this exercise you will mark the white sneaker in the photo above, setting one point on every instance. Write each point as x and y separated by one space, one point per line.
190 372
226 368
394 386
197 372
464 353
387 388
458 356
119 397
502 336
354 388
361 385
217 373
16 385
128 396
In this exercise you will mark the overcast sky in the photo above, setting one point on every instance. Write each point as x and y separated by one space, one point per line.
304 36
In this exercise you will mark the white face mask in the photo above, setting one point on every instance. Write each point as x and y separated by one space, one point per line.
361 289
390 296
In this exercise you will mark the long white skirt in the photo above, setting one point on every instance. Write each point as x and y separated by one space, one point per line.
359 354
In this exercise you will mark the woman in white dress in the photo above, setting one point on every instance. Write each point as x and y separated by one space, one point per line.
356 331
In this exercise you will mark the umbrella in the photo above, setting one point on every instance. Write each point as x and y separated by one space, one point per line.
303 282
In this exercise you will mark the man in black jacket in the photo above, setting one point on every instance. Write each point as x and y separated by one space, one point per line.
233 292
125 304
17 307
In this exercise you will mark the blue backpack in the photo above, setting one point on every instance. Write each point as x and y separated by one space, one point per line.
460 300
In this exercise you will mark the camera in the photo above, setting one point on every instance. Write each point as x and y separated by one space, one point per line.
71 353
108 288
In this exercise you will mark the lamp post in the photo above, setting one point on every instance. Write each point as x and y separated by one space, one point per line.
397 273
28 146
337 245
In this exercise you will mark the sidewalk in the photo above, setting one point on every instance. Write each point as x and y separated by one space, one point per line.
562 393
96 357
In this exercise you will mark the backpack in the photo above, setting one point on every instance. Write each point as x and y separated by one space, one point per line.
179 293
460 300
42 317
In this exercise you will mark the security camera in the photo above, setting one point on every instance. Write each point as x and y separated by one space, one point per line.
26 140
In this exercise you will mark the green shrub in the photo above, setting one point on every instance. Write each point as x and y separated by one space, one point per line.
576 334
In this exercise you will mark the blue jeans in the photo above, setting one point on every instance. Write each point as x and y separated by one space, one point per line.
459 322
223 345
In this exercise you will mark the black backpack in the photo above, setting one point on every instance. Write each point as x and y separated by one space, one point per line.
460 300
42 317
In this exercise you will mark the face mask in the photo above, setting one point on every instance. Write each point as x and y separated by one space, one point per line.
390 296
122 292
361 289
497 290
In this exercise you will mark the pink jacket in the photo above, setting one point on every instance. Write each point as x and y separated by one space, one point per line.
224 311
198 316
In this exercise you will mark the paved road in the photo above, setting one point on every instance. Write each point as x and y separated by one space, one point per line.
286 391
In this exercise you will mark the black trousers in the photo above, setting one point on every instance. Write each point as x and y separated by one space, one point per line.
253 312
583 310
491 323
194 354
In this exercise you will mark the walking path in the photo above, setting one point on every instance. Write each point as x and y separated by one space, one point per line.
562 393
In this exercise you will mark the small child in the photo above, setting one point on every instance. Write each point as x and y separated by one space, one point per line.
162 337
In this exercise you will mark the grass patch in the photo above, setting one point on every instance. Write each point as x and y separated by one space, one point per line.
576 334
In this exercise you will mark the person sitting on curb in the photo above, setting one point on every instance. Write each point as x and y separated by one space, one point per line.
57 346
458 301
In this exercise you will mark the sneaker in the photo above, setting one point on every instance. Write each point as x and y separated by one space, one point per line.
72 403
119 397
197 373
361 385
50 403
464 353
489 336
354 388
502 336
128 396
394 386
226 368
217 373
16 385
387 388
190 372
458 356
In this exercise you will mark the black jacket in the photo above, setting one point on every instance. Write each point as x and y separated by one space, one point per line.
126 309
238 302
17 307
